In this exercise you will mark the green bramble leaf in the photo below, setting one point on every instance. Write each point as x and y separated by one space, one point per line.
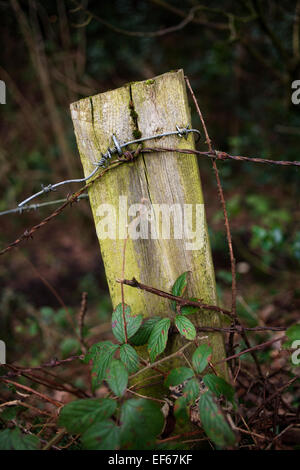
214 423
142 335
178 375
77 416
141 422
129 357
117 377
219 386
201 357
133 323
102 436
191 391
179 287
13 439
185 327
101 354
181 411
158 338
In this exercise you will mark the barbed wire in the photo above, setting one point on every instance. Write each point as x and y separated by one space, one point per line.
105 157
34 207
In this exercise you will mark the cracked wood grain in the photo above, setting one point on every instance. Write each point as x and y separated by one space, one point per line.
148 107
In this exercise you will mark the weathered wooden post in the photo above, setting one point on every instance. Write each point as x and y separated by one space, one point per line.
144 109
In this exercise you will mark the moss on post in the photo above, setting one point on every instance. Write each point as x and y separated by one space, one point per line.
144 109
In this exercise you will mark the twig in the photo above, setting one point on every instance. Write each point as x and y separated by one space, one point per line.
134 283
251 349
81 317
31 390
164 359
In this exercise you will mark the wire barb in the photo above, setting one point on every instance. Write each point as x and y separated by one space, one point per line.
102 163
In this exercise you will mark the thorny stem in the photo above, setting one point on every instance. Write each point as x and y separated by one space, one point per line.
228 234
134 283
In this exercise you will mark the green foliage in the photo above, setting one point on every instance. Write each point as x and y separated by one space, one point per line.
185 327
178 375
117 377
181 411
102 436
13 439
179 287
214 423
201 357
129 357
101 355
219 386
141 422
293 334
191 391
79 415
142 335
158 338
189 309
133 323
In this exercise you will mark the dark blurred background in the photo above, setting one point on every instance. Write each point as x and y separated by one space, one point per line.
241 58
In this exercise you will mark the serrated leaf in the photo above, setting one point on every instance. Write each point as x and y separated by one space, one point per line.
158 338
141 422
117 377
142 335
178 376
214 423
133 323
102 436
79 415
201 357
181 411
219 386
179 287
101 354
185 327
191 391
129 357
13 439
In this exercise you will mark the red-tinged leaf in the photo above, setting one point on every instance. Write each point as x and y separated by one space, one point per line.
133 323
201 357
178 376
129 357
214 422
141 422
185 327
158 338
181 411
101 354
219 386
117 377
191 391
179 287
102 436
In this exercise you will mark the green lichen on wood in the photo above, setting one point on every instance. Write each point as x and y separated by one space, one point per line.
156 178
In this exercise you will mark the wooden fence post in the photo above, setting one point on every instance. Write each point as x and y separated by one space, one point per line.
144 109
